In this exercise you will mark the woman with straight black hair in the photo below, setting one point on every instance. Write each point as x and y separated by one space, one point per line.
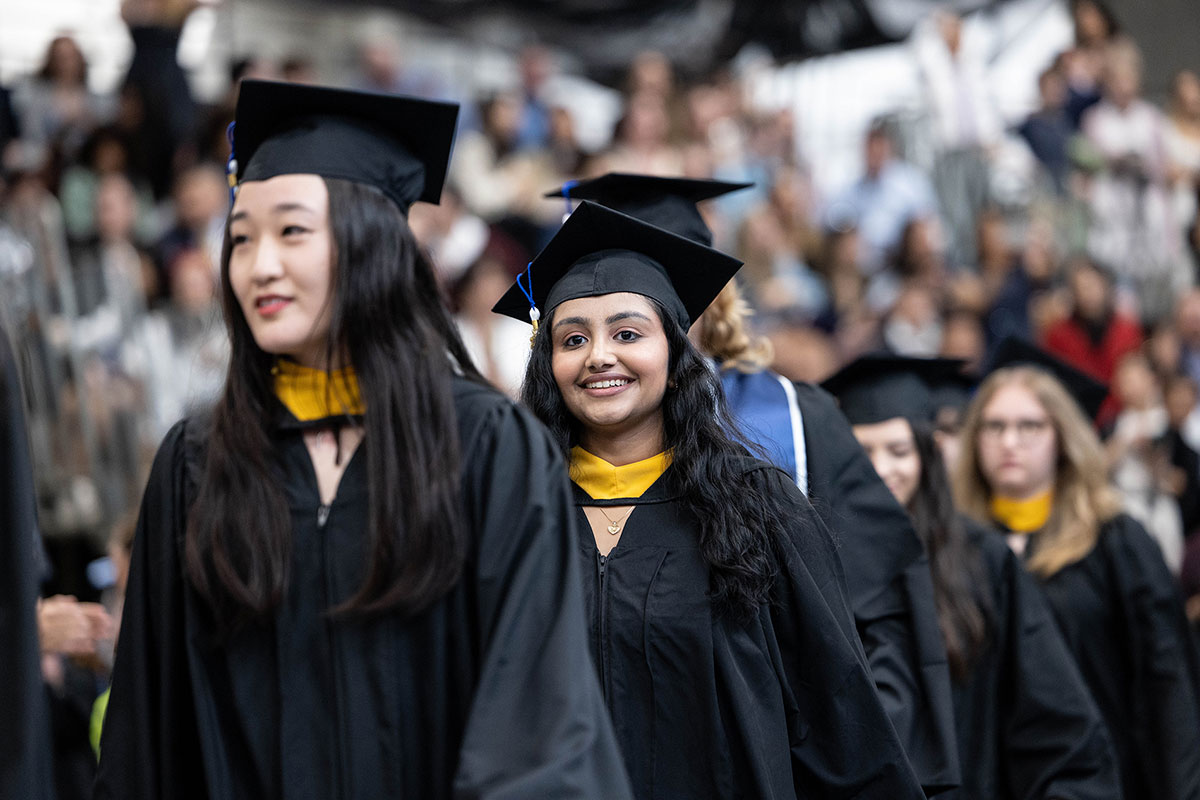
1027 727
720 626
355 579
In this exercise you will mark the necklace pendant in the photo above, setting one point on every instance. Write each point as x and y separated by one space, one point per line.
614 528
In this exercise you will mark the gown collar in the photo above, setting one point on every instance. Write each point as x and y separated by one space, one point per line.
604 481
1023 516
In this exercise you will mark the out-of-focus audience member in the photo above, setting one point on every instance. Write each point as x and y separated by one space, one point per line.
966 125
201 201
889 195
1049 129
1096 334
1183 144
105 153
1180 396
55 105
498 345
1083 65
157 89
1138 458
1133 222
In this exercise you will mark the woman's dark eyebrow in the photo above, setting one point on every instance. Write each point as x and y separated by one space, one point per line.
570 321
626 315
614 318
277 209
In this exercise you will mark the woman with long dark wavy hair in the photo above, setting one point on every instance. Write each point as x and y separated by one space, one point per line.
719 621
1027 727
356 578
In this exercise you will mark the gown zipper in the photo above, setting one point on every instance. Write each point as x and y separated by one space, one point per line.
602 612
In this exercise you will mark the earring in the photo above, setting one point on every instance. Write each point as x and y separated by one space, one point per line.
671 386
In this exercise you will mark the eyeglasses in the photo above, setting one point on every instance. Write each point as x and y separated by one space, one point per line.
1028 430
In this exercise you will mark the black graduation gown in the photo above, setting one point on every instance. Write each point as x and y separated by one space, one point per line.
25 768
1122 618
706 706
489 694
891 591
1027 727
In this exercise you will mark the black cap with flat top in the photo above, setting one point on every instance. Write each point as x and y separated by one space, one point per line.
669 203
600 251
1088 392
400 145
878 387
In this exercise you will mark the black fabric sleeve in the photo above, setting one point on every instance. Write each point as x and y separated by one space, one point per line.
1166 675
150 747
1054 743
890 589
841 740
538 726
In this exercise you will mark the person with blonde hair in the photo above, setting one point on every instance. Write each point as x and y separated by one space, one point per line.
1032 466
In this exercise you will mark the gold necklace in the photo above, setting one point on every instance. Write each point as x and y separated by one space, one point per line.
614 526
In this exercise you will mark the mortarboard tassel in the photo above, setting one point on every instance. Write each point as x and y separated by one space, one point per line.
534 314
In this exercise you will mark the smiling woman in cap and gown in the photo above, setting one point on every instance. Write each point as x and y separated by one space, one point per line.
719 621
1027 726
799 427
356 578
1032 467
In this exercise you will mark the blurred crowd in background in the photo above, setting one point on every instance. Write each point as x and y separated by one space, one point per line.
113 206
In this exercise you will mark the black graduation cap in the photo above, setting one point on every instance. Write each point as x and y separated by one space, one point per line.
400 145
669 203
600 251
1013 351
878 387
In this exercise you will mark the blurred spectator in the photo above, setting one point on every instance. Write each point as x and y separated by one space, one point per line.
157 89
1096 335
56 109
966 125
566 156
642 142
501 183
201 196
914 325
212 140
779 242
994 257
454 237
1187 324
498 345
1048 130
71 634
184 344
104 154
1181 399
1140 460
1031 277
1083 65
1183 144
382 68
880 204
963 337
1133 223
536 65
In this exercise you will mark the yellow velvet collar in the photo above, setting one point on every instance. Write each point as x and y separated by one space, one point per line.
312 394
603 481
1023 516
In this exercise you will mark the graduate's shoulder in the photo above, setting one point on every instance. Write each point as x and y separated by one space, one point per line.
486 415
